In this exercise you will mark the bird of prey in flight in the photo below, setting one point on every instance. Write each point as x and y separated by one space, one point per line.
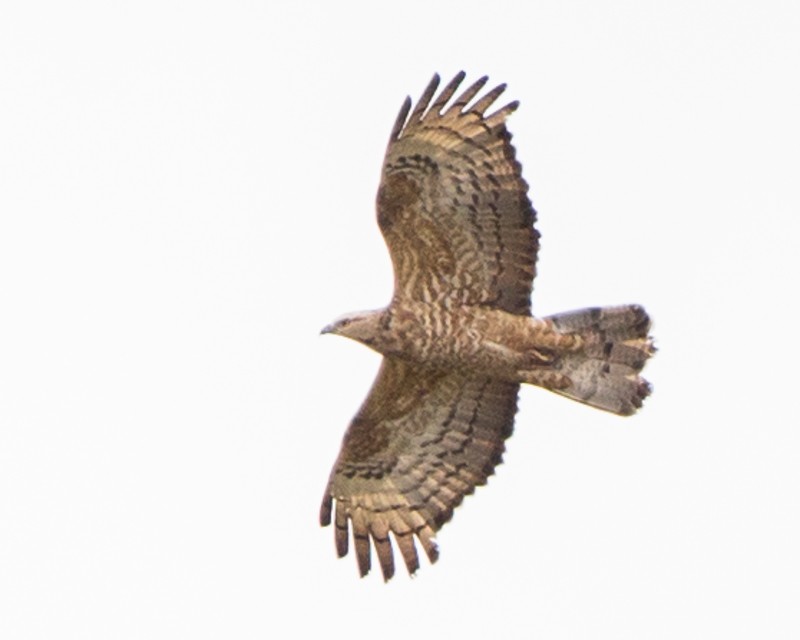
458 337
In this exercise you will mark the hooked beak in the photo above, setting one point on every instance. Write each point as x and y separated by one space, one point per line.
327 329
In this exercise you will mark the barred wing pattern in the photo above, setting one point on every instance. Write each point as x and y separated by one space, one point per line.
452 204
454 211
422 441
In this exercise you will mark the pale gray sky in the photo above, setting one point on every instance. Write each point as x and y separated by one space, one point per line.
186 198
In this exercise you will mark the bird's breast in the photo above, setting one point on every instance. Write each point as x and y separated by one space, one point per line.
436 335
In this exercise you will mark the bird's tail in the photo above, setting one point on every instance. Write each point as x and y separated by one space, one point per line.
605 372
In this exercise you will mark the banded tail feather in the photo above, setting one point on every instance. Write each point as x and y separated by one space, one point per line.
605 372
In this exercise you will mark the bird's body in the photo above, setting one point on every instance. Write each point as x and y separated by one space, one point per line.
471 338
458 337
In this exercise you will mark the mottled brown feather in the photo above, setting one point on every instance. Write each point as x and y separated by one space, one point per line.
454 211
452 204
441 436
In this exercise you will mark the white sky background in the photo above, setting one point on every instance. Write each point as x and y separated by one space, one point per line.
186 198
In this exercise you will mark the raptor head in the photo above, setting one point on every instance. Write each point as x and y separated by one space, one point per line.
363 326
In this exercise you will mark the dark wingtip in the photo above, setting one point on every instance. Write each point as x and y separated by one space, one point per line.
325 510
424 100
363 555
401 119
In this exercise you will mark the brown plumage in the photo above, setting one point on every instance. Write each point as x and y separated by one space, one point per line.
458 338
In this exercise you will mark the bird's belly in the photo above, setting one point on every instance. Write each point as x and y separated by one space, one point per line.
450 340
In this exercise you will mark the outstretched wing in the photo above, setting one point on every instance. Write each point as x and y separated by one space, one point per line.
422 441
453 206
